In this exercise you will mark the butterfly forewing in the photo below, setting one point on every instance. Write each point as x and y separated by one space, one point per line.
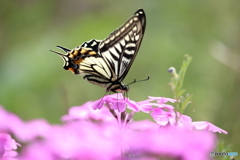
120 48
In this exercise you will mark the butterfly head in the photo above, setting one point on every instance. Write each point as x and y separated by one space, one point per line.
74 57
118 87
70 61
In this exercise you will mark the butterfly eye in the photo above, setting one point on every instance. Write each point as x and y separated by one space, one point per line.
73 68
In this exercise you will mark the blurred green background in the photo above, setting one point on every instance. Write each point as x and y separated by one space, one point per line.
33 83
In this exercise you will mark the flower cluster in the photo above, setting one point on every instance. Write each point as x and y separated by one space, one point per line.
105 129
7 147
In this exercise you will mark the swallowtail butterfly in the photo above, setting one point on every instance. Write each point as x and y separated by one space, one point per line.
107 62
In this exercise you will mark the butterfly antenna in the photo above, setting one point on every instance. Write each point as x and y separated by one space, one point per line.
60 54
63 48
135 81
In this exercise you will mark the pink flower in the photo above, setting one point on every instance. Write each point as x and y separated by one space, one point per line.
166 118
7 145
162 100
169 119
147 107
143 125
116 102
76 140
108 132
85 112
143 140
171 144
27 131
8 121
203 125
24 131
37 150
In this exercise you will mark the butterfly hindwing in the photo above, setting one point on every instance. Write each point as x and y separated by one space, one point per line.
96 71
95 66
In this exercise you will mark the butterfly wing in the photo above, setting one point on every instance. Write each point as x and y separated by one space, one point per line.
96 71
120 48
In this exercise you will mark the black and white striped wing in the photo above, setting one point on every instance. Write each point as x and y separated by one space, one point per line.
120 48
96 71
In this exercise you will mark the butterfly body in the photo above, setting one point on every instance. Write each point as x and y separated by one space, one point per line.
110 85
107 62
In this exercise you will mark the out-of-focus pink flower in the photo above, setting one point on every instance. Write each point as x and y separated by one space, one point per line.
37 150
24 131
77 140
96 134
85 140
171 144
8 121
27 131
143 125
10 155
85 112
203 125
7 145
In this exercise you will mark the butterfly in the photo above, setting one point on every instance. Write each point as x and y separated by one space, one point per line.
107 62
